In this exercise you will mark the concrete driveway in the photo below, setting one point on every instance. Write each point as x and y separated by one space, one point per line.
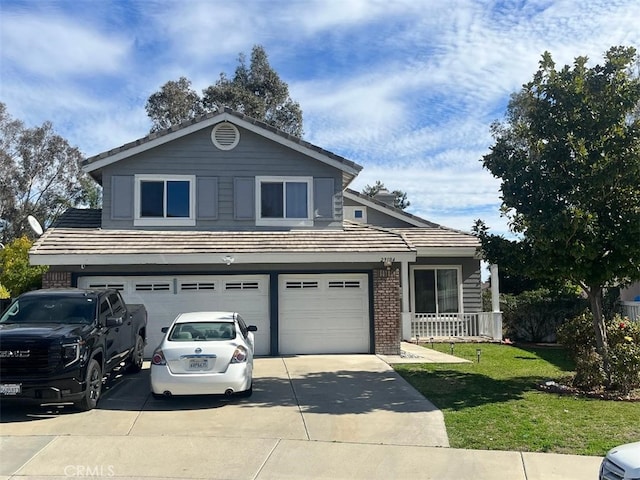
310 417
328 398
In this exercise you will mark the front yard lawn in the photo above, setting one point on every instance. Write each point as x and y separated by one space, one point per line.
494 404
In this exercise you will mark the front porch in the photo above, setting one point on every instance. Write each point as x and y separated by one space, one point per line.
486 325
446 324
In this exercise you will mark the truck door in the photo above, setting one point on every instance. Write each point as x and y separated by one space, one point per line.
111 334
124 332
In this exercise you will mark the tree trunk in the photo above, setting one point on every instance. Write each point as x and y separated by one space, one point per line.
600 329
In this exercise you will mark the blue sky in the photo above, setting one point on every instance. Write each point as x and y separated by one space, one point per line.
406 88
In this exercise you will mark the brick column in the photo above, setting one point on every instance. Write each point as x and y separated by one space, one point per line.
56 280
386 311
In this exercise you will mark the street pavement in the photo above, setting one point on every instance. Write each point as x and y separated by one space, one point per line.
310 417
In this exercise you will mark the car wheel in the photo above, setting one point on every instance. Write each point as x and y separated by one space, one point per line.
137 356
93 389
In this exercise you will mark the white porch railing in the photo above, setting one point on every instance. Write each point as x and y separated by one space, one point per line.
479 324
631 310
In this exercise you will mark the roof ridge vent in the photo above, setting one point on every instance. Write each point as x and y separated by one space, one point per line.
225 136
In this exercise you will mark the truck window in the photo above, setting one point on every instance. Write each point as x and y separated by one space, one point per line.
50 309
105 309
116 303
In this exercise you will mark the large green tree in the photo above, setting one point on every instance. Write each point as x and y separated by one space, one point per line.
568 156
175 102
40 175
255 90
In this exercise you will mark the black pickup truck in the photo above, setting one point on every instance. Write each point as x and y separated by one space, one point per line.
57 345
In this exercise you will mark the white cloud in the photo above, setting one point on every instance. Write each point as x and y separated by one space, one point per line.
51 46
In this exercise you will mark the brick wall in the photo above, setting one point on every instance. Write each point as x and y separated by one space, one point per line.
386 311
56 279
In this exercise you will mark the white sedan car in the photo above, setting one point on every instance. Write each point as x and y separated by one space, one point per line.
204 353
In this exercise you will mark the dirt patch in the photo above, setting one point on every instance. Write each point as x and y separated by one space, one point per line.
561 388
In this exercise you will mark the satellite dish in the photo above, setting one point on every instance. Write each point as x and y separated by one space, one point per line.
35 225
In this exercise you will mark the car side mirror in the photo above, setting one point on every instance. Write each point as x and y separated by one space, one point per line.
114 321
164 329
252 328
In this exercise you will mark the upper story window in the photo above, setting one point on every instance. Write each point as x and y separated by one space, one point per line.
284 201
164 200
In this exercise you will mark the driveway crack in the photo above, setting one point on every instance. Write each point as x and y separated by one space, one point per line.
267 459
295 396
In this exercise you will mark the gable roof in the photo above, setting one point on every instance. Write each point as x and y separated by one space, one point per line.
440 242
428 238
390 210
94 164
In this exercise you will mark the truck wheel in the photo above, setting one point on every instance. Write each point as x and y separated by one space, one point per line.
94 386
137 356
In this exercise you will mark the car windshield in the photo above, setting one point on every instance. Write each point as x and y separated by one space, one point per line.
213 331
44 309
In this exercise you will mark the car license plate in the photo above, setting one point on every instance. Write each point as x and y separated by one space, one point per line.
198 364
10 388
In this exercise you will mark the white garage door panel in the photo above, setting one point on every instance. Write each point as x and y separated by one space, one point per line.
167 296
324 314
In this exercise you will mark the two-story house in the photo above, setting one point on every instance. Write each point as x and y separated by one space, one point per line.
228 213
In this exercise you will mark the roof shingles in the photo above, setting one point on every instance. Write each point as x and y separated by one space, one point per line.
78 232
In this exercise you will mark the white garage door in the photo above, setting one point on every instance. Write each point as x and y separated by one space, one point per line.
324 313
166 296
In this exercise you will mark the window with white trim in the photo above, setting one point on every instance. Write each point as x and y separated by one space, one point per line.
437 290
284 201
162 200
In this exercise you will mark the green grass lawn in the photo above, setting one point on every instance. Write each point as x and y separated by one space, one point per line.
494 404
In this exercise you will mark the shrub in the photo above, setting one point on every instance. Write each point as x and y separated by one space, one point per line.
534 316
15 272
623 336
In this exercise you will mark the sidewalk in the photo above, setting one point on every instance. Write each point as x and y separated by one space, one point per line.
225 458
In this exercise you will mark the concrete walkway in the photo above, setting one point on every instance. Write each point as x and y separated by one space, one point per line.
412 353
311 417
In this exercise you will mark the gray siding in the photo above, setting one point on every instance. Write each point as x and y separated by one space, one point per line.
380 219
195 154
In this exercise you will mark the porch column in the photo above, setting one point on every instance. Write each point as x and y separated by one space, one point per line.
495 288
386 311
406 307
496 315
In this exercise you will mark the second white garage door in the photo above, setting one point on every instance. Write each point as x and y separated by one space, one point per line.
324 314
166 296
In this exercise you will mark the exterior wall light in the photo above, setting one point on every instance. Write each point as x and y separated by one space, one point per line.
387 262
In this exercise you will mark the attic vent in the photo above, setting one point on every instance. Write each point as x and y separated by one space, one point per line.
225 136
